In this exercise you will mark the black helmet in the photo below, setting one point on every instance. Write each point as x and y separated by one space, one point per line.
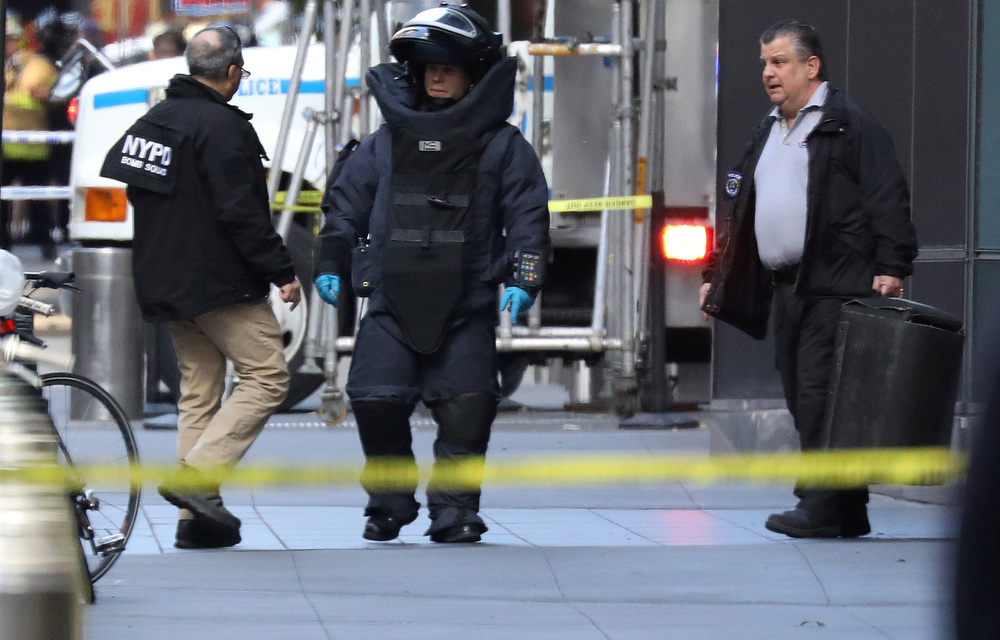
449 35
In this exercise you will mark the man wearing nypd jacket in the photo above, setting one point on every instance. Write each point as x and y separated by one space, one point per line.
203 256
431 213
817 211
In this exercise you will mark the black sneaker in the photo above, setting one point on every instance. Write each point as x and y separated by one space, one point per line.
206 506
193 534
798 523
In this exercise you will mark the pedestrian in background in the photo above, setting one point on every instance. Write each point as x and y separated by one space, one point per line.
447 201
28 77
56 35
203 255
168 44
816 212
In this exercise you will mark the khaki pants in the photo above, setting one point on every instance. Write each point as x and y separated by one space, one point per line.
210 435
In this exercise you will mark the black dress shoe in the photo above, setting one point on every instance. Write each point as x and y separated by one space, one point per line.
465 532
193 534
797 523
382 528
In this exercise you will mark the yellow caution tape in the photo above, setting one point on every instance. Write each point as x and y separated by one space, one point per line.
295 208
600 204
829 469
586 204
305 197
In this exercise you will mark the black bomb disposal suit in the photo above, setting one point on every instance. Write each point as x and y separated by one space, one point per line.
428 214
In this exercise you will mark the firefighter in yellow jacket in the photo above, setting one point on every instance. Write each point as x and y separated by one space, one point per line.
28 79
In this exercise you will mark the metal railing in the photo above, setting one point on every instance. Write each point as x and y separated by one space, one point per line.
622 257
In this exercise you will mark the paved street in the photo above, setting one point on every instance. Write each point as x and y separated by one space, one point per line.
622 562
618 562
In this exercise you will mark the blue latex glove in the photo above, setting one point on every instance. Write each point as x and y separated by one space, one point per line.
328 287
517 299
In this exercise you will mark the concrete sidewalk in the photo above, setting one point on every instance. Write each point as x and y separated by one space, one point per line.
603 562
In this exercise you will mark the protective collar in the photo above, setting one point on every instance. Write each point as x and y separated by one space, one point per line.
488 104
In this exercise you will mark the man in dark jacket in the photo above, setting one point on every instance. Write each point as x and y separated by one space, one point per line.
817 212
432 213
203 255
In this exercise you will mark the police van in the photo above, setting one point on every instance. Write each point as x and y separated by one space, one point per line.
575 156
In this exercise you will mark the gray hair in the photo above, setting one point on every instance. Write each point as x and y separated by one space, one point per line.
804 40
210 61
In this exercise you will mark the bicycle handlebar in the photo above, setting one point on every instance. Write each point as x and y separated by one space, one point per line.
36 306
51 279
13 348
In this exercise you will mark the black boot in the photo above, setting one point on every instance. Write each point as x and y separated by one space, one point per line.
799 523
453 524
463 435
854 513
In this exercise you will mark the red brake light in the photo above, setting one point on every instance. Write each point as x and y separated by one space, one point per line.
687 242
72 109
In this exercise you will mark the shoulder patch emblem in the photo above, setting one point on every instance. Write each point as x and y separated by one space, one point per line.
733 181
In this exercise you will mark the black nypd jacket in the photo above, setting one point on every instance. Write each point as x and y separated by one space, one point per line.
203 231
510 199
858 223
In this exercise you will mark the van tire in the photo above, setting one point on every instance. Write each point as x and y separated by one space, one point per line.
302 385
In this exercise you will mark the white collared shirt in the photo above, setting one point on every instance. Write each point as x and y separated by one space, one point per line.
781 182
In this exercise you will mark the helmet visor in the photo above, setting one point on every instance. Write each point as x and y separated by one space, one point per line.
446 20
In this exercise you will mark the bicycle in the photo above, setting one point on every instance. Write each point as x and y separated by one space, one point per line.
92 432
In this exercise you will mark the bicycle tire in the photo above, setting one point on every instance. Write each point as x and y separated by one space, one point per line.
101 419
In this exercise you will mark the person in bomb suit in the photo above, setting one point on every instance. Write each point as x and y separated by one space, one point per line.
431 213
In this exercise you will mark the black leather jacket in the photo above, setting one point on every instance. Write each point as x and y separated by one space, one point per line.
858 223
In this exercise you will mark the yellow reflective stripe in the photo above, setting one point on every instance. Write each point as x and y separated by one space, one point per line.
25 151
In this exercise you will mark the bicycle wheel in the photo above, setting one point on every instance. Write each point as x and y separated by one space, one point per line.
95 433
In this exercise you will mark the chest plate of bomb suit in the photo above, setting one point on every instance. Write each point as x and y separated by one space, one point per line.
427 256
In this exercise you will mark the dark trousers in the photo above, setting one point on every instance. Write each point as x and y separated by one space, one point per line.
40 220
386 369
458 383
805 331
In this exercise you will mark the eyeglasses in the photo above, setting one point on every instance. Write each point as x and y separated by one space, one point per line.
244 74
